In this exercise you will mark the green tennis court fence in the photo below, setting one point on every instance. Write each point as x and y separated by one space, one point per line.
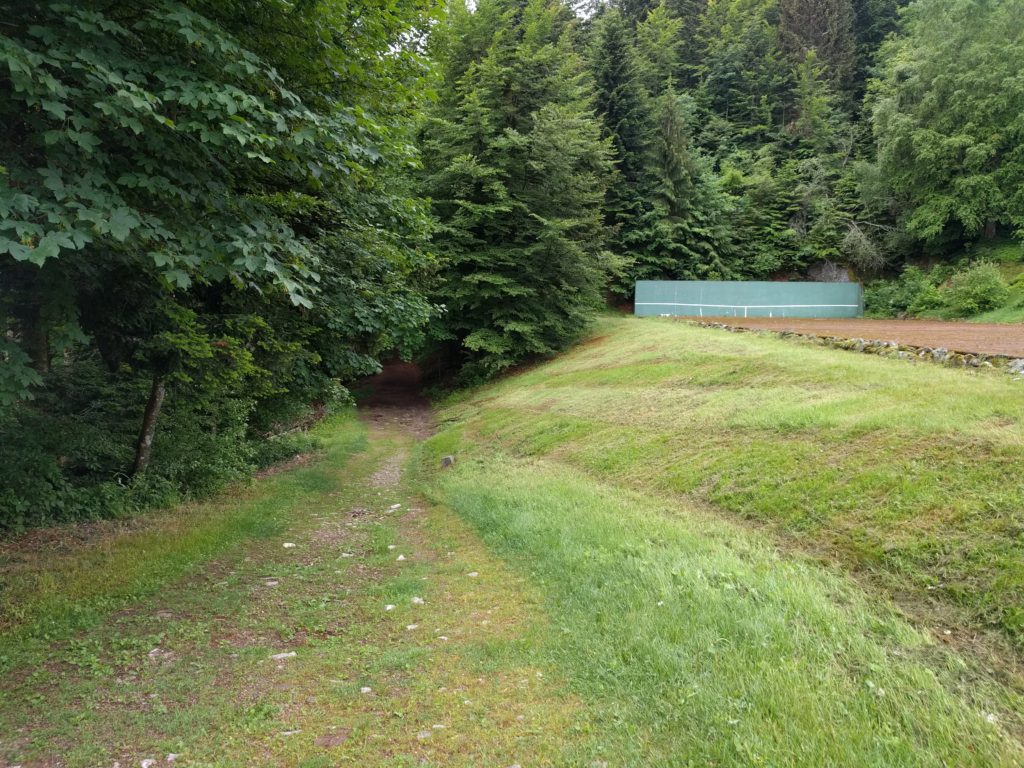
735 298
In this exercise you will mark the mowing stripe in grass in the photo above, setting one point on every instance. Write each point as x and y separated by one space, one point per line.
701 645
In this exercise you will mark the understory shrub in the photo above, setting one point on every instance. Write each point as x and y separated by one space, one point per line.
67 454
979 288
943 291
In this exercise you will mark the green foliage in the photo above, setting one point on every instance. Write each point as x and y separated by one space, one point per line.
517 171
911 293
947 115
212 197
942 291
824 28
978 288
684 234
744 75
624 105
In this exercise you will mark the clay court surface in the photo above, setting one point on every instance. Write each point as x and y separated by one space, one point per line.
987 338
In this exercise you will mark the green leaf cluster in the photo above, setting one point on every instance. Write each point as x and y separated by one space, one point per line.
207 199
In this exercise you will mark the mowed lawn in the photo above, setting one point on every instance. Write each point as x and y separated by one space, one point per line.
759 552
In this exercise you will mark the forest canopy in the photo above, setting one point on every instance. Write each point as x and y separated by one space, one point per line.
215 216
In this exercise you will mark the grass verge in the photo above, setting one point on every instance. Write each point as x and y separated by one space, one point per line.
62 580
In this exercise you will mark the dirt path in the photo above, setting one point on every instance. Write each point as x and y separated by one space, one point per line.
373 630
987 338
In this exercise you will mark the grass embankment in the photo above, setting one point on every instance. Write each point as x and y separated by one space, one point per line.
610 476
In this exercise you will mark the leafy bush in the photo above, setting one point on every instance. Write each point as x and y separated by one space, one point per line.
910 293
67 454
976 289
945 290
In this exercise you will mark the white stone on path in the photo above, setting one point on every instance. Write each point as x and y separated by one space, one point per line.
472 574
411 627
366 689
389 607
288 545
400 558
286 655
417 601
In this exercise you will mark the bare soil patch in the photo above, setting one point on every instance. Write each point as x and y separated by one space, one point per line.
394 398
984 338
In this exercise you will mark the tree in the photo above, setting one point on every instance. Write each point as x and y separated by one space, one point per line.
826 28
517 171
947 112
659 45
209 199
684 235
873 21
745 77
625 110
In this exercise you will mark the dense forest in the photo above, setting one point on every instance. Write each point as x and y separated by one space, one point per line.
215 215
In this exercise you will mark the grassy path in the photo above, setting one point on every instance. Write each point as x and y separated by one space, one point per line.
183 665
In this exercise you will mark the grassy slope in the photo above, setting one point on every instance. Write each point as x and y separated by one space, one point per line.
604 473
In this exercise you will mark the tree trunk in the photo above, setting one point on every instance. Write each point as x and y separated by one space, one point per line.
37 342
990 229
28 310
144 447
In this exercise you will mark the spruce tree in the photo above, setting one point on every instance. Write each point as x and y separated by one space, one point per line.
517 170
684 235
625 110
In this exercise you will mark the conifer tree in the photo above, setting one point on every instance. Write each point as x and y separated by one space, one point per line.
684 235
625 110
659 45
517 170
825 27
